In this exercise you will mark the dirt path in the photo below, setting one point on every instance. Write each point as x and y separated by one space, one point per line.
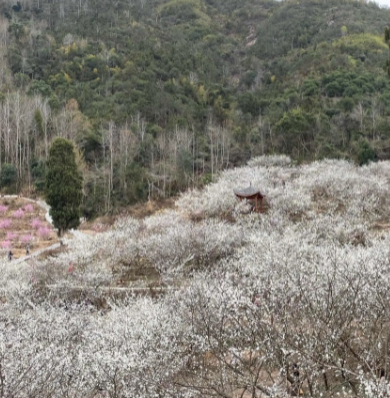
75 233
43 205
35 254
117 288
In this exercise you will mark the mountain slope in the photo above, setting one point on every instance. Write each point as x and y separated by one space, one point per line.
161 95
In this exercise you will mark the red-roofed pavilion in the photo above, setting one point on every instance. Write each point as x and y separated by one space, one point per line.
252 194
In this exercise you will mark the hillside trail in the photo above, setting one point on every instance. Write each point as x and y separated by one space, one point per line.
75 233
43 205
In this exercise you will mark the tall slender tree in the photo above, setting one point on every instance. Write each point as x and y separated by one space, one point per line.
63 185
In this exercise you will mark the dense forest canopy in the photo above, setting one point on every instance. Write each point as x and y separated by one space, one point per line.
160 95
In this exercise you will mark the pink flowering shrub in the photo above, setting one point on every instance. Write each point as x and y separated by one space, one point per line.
11 236
26 238
71 268
43 232
36 223
18 213
6 223
3 208
29 208
6 244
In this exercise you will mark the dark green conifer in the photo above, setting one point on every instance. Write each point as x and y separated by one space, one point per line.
63 185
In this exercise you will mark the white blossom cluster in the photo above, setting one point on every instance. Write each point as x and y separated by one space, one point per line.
293 301
76 352
320 187
170 242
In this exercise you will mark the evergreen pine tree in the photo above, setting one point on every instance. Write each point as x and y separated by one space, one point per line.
63 185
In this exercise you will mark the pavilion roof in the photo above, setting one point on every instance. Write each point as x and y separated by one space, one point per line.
247 192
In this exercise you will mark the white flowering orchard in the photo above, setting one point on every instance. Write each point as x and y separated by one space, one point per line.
294 301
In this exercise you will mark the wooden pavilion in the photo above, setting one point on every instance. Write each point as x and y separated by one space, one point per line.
253 195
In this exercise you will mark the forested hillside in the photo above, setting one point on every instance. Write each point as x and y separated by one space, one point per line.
160 95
